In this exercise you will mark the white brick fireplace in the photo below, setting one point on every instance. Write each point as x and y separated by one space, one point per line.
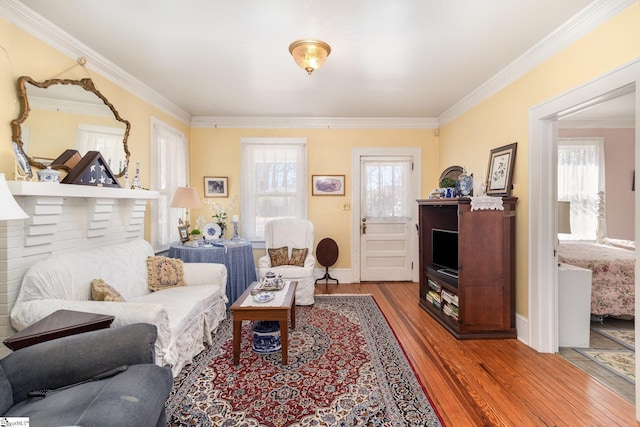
62 218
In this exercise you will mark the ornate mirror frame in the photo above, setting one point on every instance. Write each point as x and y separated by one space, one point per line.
86 84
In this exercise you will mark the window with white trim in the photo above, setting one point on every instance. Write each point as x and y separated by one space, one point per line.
580 177
170 170
105 139
274 182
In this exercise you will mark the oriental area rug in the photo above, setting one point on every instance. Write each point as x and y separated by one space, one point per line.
345 368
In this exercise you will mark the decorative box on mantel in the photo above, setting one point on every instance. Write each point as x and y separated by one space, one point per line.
63 218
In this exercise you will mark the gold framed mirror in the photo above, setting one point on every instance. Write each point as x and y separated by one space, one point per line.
59 114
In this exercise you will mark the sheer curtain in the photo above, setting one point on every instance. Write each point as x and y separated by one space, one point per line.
387 188
274 182
580 178
169 171
106 140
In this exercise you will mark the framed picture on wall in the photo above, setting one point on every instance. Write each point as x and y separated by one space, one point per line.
327 185
216 186
500 173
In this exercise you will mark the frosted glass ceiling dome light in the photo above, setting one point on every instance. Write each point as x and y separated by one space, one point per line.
309 54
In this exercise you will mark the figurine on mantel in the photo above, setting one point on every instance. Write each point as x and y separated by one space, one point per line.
126 174
136 179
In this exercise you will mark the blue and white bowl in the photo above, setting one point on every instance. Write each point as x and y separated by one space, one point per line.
48 175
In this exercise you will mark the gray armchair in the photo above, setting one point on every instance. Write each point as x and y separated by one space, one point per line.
101 378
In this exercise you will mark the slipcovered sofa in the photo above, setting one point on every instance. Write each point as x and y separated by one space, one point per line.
185 316
99 378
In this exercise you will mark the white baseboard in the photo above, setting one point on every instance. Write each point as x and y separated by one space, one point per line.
522 326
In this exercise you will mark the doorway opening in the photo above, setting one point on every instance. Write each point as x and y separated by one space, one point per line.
543 134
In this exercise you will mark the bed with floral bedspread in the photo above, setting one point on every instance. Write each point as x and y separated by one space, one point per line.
613 275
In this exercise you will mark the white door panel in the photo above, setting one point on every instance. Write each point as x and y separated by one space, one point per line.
386 210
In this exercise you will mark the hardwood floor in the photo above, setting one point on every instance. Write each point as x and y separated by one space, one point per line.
491 382
598 341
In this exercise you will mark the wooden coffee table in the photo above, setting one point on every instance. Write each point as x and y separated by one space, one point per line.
58 324
281 313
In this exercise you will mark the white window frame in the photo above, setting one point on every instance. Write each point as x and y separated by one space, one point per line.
583 194
252 228
105 139
170 169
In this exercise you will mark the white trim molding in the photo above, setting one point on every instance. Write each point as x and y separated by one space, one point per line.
588 19
315 122
543 131
585 21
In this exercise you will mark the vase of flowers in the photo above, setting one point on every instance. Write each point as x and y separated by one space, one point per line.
220 214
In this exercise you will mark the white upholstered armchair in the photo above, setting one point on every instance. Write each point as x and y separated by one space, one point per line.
296 235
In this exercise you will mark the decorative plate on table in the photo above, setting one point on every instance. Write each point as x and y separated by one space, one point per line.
264 296
211 231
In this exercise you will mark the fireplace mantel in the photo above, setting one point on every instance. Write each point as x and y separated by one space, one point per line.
63 215
54 189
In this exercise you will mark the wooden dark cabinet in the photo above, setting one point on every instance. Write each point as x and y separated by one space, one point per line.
480 302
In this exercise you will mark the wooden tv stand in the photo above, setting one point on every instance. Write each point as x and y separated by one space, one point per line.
480 303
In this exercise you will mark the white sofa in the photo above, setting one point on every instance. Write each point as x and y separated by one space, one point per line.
184 316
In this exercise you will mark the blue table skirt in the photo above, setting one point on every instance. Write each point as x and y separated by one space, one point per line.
236 256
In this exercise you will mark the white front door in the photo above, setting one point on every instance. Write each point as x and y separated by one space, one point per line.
386 210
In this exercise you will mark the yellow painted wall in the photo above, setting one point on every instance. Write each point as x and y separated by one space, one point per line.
216 152
22 54
497 121
503 118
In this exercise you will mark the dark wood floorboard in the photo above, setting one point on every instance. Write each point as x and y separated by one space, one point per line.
491 382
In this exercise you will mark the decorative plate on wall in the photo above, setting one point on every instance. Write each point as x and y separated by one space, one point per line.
451 172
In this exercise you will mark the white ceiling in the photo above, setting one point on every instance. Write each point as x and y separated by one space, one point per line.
389 59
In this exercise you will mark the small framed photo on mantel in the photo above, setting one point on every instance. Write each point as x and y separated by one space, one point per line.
216 186
500 172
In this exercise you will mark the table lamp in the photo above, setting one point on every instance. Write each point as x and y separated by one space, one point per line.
10 208
564 217
187 198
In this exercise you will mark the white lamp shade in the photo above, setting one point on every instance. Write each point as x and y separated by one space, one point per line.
564 217
186 197
9 208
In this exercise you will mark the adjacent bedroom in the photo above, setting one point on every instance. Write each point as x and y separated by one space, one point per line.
596 252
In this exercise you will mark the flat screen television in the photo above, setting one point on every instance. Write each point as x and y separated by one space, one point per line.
444 249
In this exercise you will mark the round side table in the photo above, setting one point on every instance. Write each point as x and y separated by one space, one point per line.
327 255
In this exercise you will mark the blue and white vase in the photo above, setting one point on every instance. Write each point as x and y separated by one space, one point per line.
266 336
465 183
449 192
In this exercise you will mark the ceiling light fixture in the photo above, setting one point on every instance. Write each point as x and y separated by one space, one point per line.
309 54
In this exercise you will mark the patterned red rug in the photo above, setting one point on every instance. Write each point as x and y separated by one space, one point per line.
346 368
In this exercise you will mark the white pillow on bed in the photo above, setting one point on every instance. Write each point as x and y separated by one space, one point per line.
626 244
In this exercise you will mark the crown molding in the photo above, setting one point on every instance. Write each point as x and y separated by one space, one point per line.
31 22
314 122
585 21
582 23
